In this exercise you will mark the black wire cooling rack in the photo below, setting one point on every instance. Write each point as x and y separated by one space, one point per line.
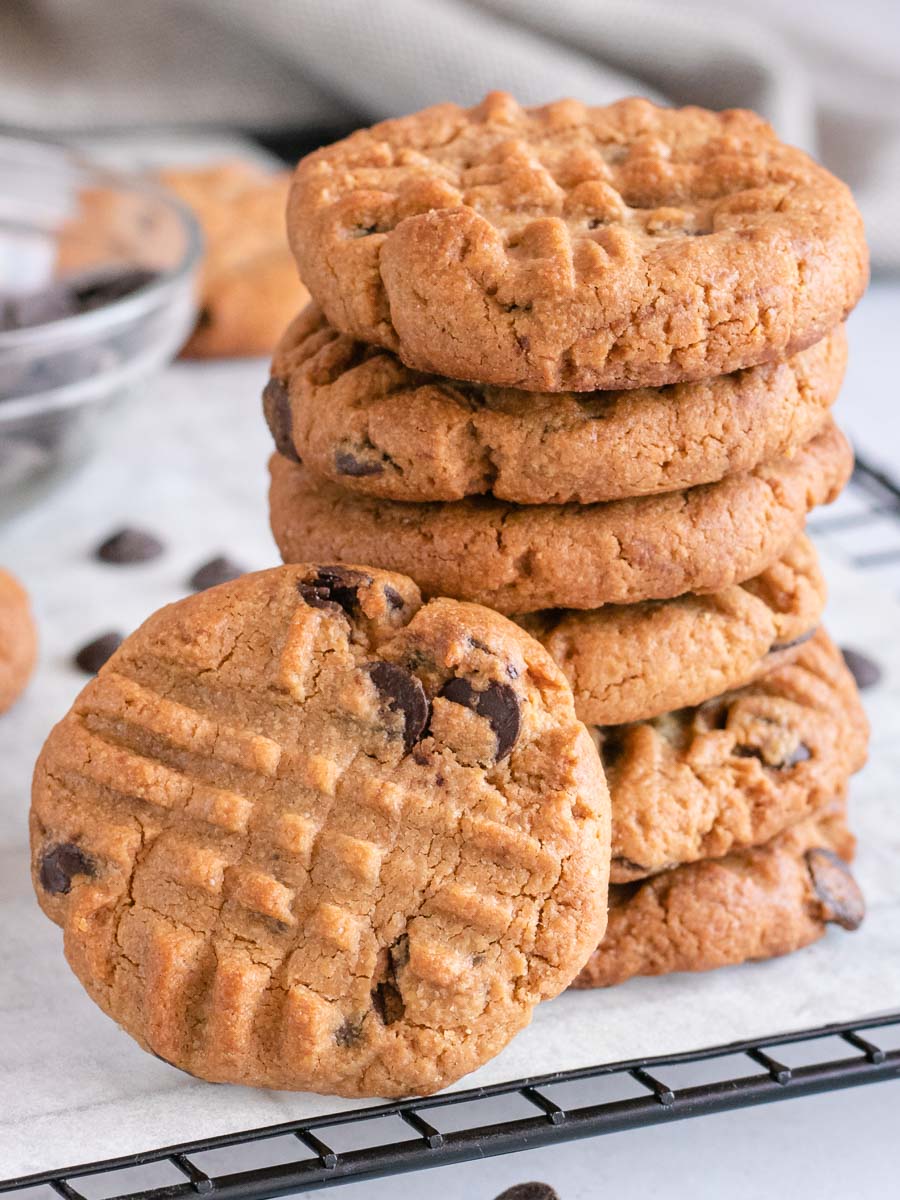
864 527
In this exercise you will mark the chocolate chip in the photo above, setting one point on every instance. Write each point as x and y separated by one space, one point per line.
387 1002
404 694
393 597
95 290
333 587
349 1033
387 999
797 641
800 753
529 1191
864 670
217 570
37 308
842 901
277 411
347 464
129 546
60 864
498 704
90 658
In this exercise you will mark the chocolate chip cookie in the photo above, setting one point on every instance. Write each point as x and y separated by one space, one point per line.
304 832
736 771
628 662
356 415
573 248
521 559
249 287
753 904
18 640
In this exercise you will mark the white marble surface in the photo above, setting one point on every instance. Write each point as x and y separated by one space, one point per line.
187 459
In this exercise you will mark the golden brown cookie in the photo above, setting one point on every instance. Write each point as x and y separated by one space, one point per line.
572 248
356 415
304 832
249 286
518 559
18 639
737 770
629 662
752 904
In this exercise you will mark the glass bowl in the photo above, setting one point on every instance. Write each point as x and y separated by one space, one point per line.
97 291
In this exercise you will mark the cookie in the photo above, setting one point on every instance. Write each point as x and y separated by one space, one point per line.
753 904
356 415
18 640
573 248
519 560
628 662
303 832
249 286
734 772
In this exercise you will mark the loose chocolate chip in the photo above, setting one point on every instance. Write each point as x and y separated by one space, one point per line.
864 670
347 464
333 587
529 1191
349 1033
37 308
403 693
217 570
130 546
393 597
93 291
842 901
90 658
277 411
498 704
60 864
797 641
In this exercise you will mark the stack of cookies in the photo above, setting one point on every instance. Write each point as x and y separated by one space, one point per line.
578 365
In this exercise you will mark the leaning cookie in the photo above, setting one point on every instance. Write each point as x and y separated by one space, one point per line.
249 286
520 559
357 416
574 247
18 640
753 904
630 662
736 771
305 832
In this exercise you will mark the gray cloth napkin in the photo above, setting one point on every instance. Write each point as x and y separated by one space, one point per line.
826 74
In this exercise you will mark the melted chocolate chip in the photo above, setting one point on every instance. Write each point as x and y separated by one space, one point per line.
346 463
333 587
59 866
842 901
128 546
797 641
217 570
529 1191
393 597
387 1002
498 704
864 670
403 693
90 658
800 753
277 411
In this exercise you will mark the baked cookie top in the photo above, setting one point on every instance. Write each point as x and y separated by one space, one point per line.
18 639
520 559
304 832
567 247
753 904
737 770
249 284
356 415
629 662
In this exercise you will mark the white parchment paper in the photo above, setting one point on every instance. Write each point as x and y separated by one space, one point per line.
187 459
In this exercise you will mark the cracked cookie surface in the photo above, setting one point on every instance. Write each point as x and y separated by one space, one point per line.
568 247
521 559
629 662
304 832
357 416
18 640
249 287
733 772
753 904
